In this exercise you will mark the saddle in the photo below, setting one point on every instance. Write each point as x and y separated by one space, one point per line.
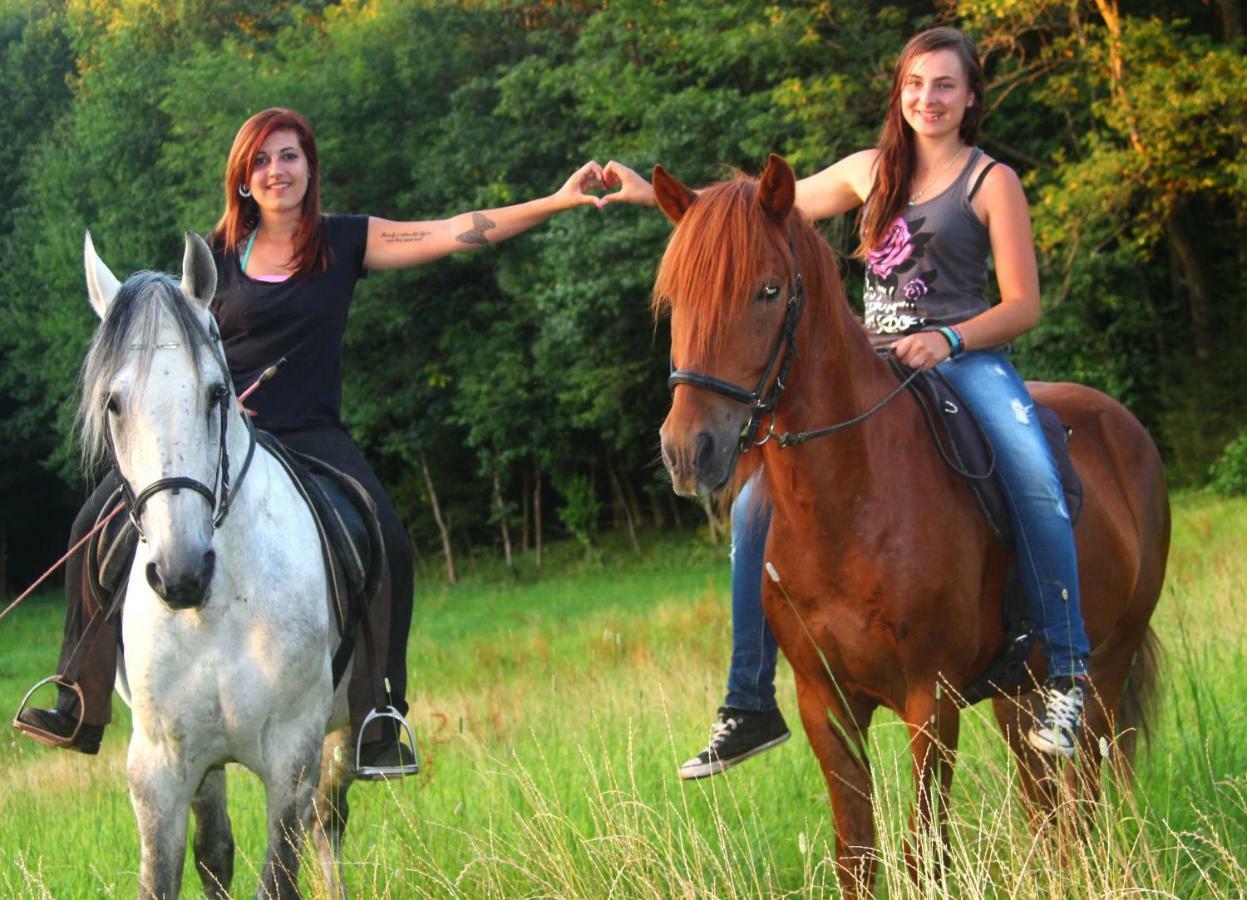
966 450
346 520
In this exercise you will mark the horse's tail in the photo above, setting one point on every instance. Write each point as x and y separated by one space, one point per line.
1136 714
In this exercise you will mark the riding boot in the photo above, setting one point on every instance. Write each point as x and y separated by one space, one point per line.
88 652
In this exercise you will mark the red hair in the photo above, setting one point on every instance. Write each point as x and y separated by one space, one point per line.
894 169
242 214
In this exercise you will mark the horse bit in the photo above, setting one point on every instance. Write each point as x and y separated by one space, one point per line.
761 401
221 505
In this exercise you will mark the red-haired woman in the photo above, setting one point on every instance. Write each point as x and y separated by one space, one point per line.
935 208
286 274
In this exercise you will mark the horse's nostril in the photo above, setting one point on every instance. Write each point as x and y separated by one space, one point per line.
705 450
154 579
209 565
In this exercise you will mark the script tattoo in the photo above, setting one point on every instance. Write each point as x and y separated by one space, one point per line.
481 223
404 237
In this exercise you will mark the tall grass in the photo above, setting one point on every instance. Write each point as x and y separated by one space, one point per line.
552 712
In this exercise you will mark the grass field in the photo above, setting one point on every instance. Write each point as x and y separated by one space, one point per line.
553 711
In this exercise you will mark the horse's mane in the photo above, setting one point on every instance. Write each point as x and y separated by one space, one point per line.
132 324
714 260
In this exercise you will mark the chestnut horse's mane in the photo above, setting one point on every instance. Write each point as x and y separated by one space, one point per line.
715 258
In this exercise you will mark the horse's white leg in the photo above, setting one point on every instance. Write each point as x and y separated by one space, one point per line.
293 769
161 798
332 808
214 839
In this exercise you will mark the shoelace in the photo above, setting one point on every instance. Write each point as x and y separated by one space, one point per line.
1063 710
720 730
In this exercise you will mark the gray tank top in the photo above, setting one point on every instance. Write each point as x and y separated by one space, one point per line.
932 268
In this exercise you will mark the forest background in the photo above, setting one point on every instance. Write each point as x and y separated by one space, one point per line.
518 390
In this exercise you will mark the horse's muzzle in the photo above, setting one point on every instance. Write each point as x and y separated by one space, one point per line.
700 466
183 587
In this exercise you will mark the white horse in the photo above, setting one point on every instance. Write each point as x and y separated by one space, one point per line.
227 627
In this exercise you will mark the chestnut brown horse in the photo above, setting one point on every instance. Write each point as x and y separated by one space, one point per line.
889 577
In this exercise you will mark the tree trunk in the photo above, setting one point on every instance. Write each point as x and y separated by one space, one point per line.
451 575
1231 20
675 509
537 510
712 518
655 509
621 506
634 502
526 506
1196 283
416 555
502 521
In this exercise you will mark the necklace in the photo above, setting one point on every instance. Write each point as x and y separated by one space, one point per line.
914 199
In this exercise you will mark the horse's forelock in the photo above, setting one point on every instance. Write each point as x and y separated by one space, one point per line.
145 302
715 258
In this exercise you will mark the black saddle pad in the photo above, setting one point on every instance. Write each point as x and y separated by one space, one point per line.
966 449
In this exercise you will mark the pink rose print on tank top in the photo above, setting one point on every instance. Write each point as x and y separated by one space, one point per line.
892 307
896 248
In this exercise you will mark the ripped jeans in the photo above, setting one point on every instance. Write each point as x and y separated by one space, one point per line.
1047 564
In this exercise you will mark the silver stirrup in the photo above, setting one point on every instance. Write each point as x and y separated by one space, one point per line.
374 773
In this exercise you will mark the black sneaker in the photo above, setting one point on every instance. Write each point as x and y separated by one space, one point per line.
1056 730
54 728
738 735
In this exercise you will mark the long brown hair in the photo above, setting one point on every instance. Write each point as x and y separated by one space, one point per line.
242 214
894 168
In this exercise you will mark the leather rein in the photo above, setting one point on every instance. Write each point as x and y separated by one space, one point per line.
762 401
220 503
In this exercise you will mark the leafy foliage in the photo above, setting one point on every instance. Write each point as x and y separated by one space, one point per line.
539 354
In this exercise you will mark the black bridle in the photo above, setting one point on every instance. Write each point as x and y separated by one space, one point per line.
761 400
220 504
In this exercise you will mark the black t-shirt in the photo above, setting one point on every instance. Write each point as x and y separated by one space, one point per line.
303 319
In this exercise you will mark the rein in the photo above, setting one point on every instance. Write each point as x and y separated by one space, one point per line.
784 351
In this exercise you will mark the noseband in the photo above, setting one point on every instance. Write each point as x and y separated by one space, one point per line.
760 400
220 505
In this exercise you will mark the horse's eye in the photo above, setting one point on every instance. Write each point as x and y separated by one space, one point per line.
112 404
217 393
770 291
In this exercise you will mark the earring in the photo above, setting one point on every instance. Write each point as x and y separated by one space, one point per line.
244 191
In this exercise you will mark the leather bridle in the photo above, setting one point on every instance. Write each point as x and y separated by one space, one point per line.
220 502
760 400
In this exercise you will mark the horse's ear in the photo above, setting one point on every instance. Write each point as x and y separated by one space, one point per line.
672 197
102 284
777 189
198 271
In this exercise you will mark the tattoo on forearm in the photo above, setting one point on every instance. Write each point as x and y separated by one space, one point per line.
481 223
404 237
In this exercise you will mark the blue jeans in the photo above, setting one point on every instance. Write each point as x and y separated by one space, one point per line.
751 678
1047 563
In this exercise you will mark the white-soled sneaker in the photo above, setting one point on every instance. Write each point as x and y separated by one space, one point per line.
1056 730
737 735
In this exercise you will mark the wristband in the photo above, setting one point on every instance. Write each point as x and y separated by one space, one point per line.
955 343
